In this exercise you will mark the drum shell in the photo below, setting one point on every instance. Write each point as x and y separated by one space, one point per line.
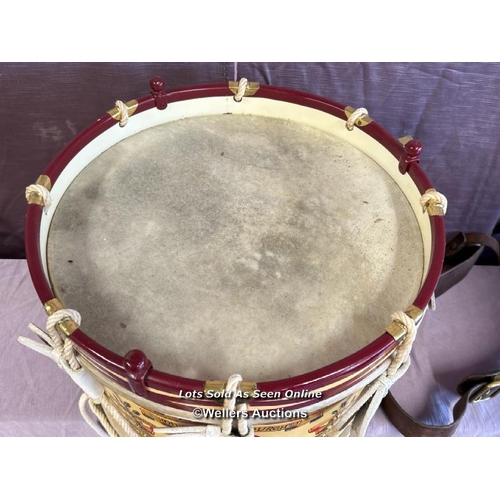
164 389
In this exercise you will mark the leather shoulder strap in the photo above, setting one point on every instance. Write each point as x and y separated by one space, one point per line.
473 389
462 252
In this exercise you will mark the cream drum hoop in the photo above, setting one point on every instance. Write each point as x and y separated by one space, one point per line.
211 235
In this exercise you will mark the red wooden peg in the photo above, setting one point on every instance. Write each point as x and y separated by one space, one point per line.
137 366
157 84
413 149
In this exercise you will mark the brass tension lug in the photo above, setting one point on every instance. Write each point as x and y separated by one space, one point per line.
362 121
66 326
131 109
397 330
34 198
213 388
434 207
43 180
251 88
405 139
52 305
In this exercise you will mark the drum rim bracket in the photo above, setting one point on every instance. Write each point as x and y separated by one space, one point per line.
245 388
131 106
35 197
434 203
250 89
397 330
66 326
362 120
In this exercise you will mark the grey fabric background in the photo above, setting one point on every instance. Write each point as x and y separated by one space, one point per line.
451 108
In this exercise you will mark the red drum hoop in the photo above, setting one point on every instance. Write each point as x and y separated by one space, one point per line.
163 388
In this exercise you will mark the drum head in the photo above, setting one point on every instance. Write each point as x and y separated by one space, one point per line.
235 244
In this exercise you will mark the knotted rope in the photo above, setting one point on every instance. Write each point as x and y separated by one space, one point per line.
225 430
242 86
43 192
100 408
123 110
60 349
365 407
357 113
433 197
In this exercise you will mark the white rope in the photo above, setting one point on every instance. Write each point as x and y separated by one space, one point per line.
432 197
382 386
193 431
230 402
123 110
198 431
99 413
357 113
81 377
100 408
242 86
403 351
226 428
235 72
61 351
398 367
43 192
117 416
367 392
63 343
244 430
432 302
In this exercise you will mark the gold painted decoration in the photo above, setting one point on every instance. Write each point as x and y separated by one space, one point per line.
319 423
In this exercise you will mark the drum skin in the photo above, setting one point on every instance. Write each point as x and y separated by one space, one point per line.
143 398
249 237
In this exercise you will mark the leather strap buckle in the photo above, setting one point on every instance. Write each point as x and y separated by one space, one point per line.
488 391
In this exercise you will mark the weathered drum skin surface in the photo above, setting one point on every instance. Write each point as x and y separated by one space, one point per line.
235 244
